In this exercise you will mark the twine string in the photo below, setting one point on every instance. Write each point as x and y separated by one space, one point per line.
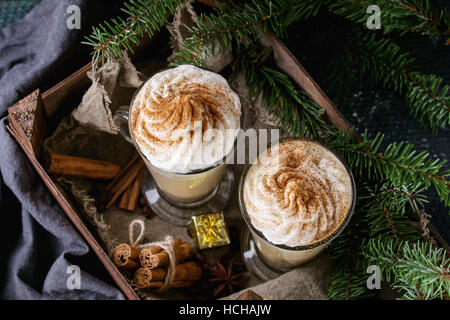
139 222
167 245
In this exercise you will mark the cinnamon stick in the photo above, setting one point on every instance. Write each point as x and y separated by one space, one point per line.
123 179
81 167
113 185
126 257
130 197
188 271
147 253
136 190
162 258
125 198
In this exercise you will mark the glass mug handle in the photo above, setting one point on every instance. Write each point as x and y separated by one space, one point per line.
121 117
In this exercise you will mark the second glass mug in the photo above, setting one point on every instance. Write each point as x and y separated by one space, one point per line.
283 258
184 190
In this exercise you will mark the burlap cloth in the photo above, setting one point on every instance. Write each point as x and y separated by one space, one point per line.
90 131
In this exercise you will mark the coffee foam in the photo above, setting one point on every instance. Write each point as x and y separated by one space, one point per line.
297 193
185 118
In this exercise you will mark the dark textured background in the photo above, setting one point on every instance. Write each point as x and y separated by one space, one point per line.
374 109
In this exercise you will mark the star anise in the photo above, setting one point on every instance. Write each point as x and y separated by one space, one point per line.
223 278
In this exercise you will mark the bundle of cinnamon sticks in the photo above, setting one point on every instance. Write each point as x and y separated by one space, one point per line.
126 185
150 265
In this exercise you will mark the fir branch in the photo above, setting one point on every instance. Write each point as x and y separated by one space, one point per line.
226 29
429 100
418 269
385 207
349 285
291 107
347 246
397 163
387 64
349 279
380 209
418 16
111 38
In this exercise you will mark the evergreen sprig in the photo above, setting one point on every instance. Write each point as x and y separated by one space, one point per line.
388 65
399 16
349 279
380 210
397 163
417 269
111 38
226 29
290 106
385 205
347 285
387 198
429 100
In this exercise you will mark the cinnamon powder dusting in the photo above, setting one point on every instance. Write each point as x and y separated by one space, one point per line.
177 110
298 193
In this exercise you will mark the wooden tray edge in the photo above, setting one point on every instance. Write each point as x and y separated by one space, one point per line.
73 216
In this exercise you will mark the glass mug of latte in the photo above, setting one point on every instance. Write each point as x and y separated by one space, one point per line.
295 199
183 121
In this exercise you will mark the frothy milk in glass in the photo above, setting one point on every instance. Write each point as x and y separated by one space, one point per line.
296 198
184 121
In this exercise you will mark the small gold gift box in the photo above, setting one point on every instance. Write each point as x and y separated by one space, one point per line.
209 230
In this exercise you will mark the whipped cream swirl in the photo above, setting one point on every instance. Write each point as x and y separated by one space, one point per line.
297 193
185 118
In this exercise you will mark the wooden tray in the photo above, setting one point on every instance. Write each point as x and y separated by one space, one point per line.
55 97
